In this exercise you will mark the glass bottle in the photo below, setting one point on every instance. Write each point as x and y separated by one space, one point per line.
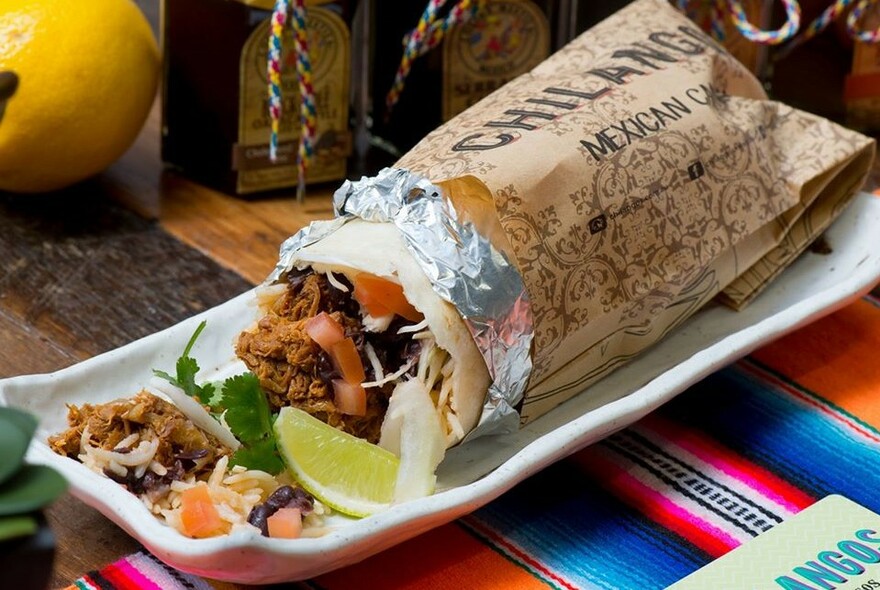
505 39
215 118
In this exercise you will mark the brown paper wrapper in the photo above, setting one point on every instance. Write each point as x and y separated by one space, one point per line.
635 175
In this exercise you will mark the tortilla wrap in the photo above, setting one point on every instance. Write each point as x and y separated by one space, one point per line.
378 249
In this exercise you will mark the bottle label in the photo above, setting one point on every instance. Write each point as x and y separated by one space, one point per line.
504 39
329 53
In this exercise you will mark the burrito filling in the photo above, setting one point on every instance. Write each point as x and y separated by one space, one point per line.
295 370
176 468
143 442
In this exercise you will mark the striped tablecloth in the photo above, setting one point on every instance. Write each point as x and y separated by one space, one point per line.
731 457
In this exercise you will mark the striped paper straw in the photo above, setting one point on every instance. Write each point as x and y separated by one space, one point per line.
853 19
427 34
819 24
276 29
308 116
752 33
307 113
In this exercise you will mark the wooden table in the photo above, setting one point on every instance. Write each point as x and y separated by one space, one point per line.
121 256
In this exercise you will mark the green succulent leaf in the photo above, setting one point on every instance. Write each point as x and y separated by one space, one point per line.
16 429
31 488
26 422
12 527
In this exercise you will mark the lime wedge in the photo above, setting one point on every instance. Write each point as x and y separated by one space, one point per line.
344 472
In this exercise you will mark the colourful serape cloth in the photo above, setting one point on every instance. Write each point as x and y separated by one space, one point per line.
728 459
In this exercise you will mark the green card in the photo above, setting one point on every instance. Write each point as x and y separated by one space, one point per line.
833 544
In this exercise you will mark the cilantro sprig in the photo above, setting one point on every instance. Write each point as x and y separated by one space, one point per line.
242 404
248 416
187 367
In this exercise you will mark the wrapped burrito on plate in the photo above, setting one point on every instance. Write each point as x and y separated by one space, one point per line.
354 335
519 253
544 237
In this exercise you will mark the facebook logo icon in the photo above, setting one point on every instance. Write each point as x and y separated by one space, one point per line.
696 170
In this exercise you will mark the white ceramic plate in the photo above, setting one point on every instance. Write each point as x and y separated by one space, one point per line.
471 475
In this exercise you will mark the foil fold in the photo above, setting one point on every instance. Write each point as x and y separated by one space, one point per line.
464 269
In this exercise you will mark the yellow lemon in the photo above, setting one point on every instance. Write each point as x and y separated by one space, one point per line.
86 73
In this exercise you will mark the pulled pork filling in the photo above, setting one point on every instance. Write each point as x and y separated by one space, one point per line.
144 443
294 371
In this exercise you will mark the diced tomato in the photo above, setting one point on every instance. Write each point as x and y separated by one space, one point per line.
347 361
381 297
324 330
198 515
286 523
349 398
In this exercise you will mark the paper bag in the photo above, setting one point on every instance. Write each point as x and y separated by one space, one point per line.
636 174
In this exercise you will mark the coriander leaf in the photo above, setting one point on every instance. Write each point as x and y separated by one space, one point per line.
194 337
216 389
259 455
187 367
248 416
247 411
206 394
164 376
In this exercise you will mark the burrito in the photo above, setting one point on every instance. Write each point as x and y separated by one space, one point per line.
392 331
549 234
524 250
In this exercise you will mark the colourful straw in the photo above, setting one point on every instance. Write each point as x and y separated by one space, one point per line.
308 116
853 19
276 28
307 113
819 24
716 22
427 34
716 10
751 32
461 12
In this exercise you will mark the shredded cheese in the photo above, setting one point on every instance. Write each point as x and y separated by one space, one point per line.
331 278
375 323
422 325
446 383
391 377
97 458
374 361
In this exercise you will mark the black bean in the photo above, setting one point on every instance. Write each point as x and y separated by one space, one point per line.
303 500
296 278
283 497
280 498
259 516
324 368
191 455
